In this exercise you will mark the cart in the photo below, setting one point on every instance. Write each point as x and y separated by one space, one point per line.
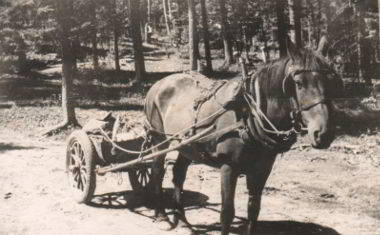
96 150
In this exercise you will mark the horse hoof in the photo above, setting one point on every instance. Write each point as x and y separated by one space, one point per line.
164 225
184 228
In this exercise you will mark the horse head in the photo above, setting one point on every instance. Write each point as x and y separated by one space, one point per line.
307 81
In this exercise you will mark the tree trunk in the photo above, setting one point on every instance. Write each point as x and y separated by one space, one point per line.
64 12
266 51
206 38
362 75
165 7
148 26
192 39
68 61
225 33
76 52
21 60
318 23
378 39
242 20
310 23
295 22
170 11
94 39
149 11
116 24
281 27
137 40
116 49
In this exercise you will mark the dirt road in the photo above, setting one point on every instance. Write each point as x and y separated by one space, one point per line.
309 192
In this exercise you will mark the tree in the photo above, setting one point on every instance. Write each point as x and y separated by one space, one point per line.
206 39
310 23
19 32
148 27
295 22
165 8
134 7
63 11
281 27
225 33
358 10
192 36
94 31
116 33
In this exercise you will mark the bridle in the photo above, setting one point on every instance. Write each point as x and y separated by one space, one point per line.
297 107
261 125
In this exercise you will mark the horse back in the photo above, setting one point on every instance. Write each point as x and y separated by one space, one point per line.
172 104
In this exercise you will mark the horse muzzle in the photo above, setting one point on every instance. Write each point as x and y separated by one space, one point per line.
321 136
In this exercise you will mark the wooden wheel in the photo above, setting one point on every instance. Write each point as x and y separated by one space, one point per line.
80 166
141 178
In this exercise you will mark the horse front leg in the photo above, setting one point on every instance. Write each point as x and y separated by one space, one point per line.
256 180
228 186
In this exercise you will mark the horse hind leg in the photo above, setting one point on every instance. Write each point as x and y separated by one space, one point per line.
228 185
158 172
179 175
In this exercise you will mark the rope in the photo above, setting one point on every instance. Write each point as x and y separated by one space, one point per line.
259 115
218 112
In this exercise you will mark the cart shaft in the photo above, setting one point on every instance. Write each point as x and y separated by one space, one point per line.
147 158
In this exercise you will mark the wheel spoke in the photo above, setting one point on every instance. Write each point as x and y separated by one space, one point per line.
76 175
145 180
78 183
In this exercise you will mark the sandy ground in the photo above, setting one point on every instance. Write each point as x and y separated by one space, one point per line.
309 192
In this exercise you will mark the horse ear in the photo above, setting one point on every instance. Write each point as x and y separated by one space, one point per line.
323 46
292 50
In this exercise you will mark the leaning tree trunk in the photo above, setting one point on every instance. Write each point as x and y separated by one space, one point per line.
137 40
63 11
68 61
225 33
295 22
206 38
281 31
192 36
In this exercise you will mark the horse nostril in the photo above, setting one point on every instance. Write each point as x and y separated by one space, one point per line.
317 136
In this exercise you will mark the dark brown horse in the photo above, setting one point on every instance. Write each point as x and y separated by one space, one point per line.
291 92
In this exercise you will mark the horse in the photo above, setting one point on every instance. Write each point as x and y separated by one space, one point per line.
281 99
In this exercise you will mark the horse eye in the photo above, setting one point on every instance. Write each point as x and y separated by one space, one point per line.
298 84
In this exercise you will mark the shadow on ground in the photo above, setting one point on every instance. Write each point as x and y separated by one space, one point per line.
272 228
194 201
132 200
9 146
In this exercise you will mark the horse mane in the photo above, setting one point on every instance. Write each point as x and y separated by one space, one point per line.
271 75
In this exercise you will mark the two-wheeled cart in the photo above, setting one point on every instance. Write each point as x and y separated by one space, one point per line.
95 150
